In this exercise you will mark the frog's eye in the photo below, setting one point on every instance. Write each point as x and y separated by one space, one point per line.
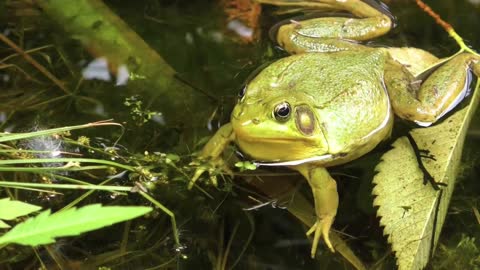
282 111
242 92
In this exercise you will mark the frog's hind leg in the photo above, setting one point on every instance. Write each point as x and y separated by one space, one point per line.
425 101
326 34
324 189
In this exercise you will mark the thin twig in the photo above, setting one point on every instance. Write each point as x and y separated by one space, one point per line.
34 63
445 25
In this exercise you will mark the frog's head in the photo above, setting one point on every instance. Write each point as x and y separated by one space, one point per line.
275 121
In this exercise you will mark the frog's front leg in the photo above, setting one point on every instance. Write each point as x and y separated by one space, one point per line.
324 189
210 156
331 33
425 102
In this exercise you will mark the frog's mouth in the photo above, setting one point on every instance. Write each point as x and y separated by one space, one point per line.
269 140
280 150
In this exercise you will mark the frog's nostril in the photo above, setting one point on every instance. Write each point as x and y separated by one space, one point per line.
256 121
237 112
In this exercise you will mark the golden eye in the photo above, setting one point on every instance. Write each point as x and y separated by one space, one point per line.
282 111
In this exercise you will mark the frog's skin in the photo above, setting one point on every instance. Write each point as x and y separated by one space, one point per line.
333 100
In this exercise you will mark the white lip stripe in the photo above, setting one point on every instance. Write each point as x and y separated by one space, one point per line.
295 162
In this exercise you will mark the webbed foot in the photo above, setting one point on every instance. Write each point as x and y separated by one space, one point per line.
321 228
213 167
210 158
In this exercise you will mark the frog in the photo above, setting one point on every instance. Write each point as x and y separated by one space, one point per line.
334 99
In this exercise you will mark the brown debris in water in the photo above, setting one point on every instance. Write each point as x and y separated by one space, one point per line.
242 18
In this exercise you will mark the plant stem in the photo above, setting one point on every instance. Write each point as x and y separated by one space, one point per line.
56 160
168 212
12 184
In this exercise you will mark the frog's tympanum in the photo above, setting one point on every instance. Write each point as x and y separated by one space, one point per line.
334 99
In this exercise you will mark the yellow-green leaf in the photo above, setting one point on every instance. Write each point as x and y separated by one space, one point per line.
411 212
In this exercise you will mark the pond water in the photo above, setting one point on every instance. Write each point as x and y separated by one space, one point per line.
213 63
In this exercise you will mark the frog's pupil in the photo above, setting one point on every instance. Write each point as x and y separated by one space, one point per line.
282 111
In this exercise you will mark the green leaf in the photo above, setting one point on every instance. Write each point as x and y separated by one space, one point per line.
12 209
4 225
245 165
411 212
43 228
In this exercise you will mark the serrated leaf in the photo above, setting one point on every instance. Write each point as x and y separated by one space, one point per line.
411 212
12 209
405 204
44 228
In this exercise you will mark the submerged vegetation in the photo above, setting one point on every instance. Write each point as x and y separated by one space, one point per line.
138 165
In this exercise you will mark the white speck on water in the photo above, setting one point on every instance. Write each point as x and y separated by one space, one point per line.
199 31
100 110
189 38
240 29
122 75
3 117
216 36
159 119
97 69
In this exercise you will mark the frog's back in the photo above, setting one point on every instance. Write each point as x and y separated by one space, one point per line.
324 77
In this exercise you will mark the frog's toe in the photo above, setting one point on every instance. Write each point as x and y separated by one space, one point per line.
212 167
316 237
213 177
198 172
321 228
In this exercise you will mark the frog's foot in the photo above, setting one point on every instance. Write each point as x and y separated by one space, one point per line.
210 158
321 227
213 167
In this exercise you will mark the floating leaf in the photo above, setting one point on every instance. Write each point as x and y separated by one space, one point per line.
43 228
411 212
12 209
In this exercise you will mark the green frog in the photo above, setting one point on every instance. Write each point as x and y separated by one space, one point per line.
334 99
